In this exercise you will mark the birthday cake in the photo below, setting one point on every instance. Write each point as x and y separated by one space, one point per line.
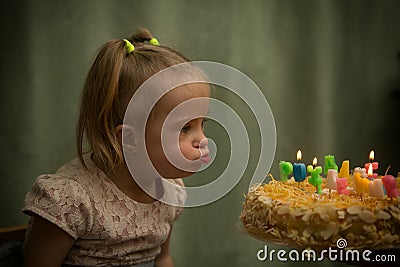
295 213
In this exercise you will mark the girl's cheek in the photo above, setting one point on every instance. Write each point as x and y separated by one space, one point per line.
187 151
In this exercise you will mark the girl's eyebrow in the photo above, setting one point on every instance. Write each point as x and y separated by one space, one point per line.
187 119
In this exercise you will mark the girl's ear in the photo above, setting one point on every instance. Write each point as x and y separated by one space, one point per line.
129 137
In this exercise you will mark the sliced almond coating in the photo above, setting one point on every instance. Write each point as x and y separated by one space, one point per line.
265 200
323 213
395 215
283 210
345 226
331 211
383 215
350 237
354 209
292 233
261 198
373 236
329 230
395 209
299 212
306 216
368 228
303 240
341 214
306 234
367 216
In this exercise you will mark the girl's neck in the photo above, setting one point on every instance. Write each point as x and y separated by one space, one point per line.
122 178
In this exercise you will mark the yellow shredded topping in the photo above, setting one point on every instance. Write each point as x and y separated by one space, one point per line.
303 195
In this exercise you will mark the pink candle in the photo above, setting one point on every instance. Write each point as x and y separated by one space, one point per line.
390 185
371 174
373 165
370 167
341 184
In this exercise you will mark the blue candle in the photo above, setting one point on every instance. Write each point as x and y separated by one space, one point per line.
299 169
299 172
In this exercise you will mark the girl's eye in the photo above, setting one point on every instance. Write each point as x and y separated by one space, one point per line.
185 129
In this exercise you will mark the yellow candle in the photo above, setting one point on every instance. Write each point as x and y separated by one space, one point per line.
361 184
345 169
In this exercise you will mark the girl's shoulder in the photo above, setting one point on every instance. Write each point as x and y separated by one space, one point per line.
75 174
71 182
76 171
63 198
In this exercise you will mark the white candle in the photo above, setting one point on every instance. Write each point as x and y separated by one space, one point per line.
375 188
361 171
331 179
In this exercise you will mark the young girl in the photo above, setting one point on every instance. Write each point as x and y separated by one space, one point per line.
91 212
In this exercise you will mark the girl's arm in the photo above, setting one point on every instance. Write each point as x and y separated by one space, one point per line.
47 244
164 258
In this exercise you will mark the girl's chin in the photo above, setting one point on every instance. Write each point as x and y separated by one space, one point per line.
181 174
173 172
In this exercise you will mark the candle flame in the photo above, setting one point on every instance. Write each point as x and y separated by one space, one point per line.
370 170
371 155
314 162
299 155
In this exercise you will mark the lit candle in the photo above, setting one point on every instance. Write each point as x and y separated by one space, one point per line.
390 184
375 188
370 172
330 163
315 178
299 169
285 168
341 184
345 169
372 164
360 184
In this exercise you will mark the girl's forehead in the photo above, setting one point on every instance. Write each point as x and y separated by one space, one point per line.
184 93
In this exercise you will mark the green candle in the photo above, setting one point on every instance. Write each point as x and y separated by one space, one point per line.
330 163
315 179
285 168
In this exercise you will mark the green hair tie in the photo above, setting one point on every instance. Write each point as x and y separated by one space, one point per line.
128 46
154 41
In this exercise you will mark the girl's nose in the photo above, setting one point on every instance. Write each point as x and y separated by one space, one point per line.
203 142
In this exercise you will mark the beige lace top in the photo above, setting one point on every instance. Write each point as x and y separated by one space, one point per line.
110 228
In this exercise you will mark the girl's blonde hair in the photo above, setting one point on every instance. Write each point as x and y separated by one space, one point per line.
110 83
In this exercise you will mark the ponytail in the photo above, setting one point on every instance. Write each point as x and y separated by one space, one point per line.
99 105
